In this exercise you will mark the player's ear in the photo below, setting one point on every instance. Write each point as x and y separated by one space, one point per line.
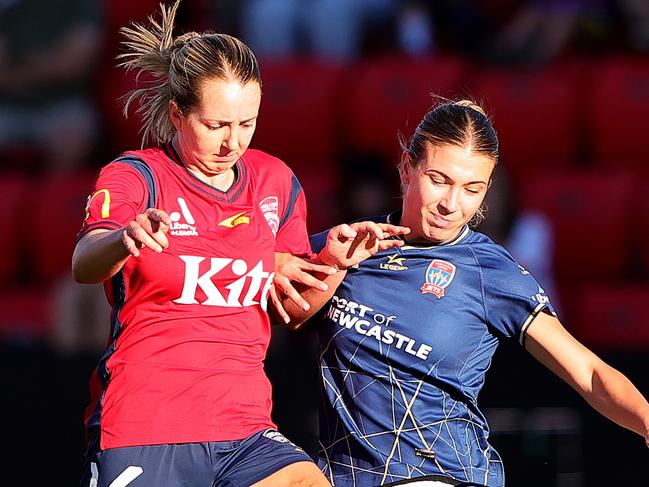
404 168
175 114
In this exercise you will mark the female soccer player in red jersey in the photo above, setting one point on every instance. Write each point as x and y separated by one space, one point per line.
183 235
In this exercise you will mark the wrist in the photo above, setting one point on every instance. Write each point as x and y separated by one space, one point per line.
324 257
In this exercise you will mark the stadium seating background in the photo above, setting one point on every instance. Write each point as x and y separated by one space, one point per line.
573 134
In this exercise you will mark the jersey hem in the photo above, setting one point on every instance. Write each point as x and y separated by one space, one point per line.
140 440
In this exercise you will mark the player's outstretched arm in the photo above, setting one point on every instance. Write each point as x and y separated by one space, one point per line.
604 388
302 288
101 253
349 245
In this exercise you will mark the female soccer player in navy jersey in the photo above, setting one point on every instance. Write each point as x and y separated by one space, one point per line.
408 335
184 236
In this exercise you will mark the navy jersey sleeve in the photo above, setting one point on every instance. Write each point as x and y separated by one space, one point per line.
318 241
292 236
513 298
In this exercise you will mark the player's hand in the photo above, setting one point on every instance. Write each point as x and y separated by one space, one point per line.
290 269
148 230
348 245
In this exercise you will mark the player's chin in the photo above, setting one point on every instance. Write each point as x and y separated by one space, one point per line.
438 235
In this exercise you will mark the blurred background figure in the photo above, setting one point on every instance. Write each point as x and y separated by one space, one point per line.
48 50
330 29
415 30
541 30
636 14
527 234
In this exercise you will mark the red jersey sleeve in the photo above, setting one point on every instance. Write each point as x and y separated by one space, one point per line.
292 236
119 194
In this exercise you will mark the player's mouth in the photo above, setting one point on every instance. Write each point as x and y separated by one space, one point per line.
230 158
441 222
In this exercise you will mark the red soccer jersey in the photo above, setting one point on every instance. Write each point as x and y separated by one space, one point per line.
189 327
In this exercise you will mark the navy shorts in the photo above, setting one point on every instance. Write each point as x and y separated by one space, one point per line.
216 463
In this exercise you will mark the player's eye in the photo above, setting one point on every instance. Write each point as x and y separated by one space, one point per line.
215 125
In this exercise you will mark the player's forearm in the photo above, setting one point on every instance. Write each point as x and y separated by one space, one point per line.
99 256
315 297
613 395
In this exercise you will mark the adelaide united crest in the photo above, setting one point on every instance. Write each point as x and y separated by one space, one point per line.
438 276
270 207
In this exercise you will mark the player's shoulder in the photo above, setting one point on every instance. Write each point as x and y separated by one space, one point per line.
261 162
489 254
499 269
134 158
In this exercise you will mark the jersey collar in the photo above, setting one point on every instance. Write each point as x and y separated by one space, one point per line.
230 195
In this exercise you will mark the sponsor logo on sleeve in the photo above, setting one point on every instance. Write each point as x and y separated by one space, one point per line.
439 275
105 205
541 297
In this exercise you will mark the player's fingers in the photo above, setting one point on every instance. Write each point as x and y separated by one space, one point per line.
137 233
160 216
312 281
277 303
318 268
394 229
130 244
369 228
390 244
155 229
160 223
290 292
342 232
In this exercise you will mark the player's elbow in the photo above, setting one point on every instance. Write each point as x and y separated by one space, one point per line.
81 269
79 274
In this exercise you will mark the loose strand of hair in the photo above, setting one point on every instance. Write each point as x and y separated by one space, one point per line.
148 50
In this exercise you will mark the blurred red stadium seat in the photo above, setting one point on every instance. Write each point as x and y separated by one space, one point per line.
113 82
120 13
321 184
593 227
536 113
14 190
298 118
25 314
612 318
59 203
390 95
618 103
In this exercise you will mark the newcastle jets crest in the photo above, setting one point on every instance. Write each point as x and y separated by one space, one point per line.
438 276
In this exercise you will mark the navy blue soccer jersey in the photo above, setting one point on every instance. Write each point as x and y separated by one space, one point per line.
405 344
